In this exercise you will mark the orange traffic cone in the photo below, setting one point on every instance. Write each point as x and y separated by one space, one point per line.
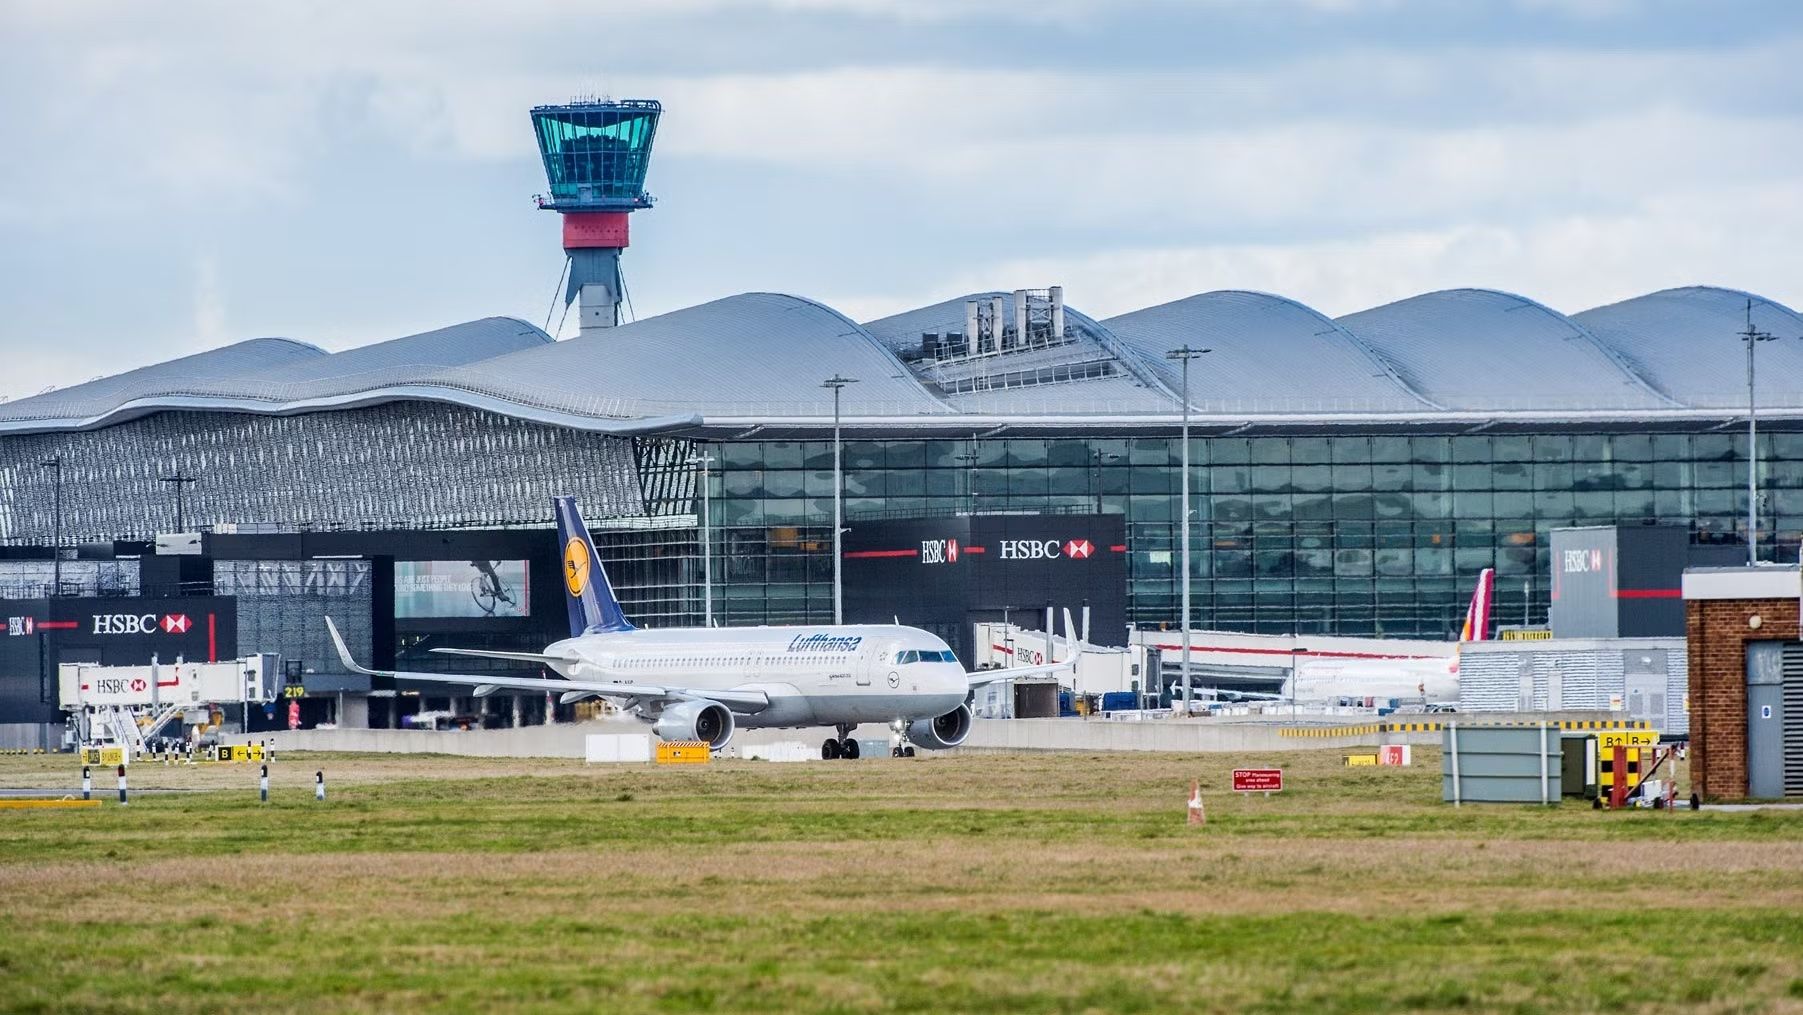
1196 814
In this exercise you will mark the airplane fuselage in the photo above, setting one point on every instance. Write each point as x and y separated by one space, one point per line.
813 676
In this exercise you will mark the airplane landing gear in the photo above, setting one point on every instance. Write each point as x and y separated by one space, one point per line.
844 747
898 740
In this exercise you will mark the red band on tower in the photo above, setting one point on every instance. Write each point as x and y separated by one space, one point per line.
586 229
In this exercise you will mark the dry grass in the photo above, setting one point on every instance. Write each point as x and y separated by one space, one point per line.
1024 882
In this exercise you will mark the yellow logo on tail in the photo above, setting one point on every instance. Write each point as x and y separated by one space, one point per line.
575 566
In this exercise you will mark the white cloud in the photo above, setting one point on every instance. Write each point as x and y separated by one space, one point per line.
1740 238
1345 174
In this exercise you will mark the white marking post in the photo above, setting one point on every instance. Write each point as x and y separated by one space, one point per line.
263 785
319 785
122 800
1196 814
87 784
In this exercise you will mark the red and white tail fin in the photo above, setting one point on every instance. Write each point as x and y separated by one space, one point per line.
1477 615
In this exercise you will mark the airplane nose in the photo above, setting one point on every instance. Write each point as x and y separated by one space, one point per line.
953 681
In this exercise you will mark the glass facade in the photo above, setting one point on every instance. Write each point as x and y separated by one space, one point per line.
1357 535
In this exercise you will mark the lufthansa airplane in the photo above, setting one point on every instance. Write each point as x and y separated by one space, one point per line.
703 683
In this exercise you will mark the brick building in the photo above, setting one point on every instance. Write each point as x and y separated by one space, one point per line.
1742 627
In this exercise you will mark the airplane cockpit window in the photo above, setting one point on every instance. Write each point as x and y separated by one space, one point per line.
925 655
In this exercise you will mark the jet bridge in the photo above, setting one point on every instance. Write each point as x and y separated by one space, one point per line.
122 704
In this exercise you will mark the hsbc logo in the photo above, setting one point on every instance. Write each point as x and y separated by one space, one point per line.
1581 561
939 551
1046 549
140 623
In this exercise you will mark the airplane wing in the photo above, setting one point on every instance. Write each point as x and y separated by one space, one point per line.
983 678
523 657
568 690
1219 694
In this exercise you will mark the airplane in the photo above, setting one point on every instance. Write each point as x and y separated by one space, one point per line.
1337 668
704 683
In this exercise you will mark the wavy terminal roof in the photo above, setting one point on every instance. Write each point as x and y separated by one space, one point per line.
757 360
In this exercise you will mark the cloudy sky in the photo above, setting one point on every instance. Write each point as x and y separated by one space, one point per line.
179 175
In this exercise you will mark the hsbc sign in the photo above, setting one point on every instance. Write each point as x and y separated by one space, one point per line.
1582 561
1046 549
140 623
939 551
1031 549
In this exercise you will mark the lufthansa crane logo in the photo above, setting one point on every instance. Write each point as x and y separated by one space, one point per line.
575 566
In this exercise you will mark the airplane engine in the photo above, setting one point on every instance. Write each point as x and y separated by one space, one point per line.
696 720
941 732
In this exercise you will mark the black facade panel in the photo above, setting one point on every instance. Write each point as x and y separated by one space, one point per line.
946 574
1650 566
43 633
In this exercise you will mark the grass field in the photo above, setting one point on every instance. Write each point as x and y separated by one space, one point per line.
978 883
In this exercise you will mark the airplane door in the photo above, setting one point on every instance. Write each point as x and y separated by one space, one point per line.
866 663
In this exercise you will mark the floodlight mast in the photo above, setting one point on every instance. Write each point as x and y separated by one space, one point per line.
1184 354
838 383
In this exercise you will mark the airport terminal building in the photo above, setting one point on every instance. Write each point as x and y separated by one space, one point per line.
1349 476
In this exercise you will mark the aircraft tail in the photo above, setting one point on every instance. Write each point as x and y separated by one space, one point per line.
593 608
1477 615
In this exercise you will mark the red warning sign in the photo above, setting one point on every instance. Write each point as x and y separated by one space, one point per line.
1257 780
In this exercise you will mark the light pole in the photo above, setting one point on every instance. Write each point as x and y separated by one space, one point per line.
1096 457
181 483
969 461
707 540
1752 337
1184 354
837 383
56 546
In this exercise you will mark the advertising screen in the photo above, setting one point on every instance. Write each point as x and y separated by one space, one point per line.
461 588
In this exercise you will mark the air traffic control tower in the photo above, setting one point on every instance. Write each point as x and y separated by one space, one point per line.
596 154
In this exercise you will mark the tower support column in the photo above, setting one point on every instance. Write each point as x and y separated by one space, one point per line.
593 241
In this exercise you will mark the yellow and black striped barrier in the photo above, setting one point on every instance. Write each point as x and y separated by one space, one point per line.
1330 731
683 752
1437 726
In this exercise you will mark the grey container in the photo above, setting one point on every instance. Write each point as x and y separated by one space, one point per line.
1500 764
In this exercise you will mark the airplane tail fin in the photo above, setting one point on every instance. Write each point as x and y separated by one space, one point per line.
593 608
1477 615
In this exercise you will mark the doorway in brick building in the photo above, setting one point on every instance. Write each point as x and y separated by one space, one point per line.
1774 719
